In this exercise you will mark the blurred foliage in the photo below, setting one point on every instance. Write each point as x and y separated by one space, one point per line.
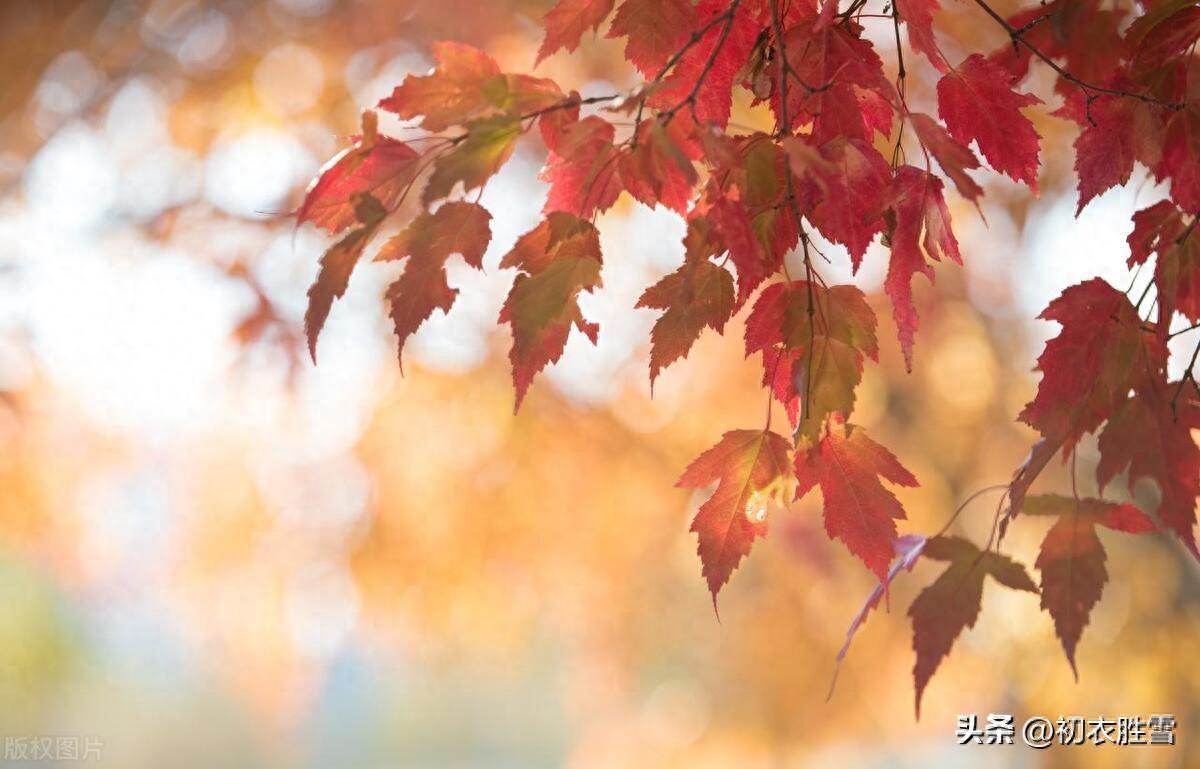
314 574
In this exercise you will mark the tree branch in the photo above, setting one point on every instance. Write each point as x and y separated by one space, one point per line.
1018 38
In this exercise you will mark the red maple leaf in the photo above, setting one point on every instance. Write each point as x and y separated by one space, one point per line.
465 85
847 191
750 468
375 165
813 341
858 510
977 103
921 227
1102 352
654 30
567 22
558 259
1071 558
337 264
582 169
951 603
426 244
702 80
698 295
1150 434
954 158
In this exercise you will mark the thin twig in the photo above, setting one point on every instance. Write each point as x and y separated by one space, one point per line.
1017 36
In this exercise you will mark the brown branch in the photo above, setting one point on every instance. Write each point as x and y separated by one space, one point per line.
1018 38
1188 375
900 83
690 99
785 128
692 40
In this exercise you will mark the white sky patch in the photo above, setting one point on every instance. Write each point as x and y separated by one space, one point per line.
251 175
137 336
1061 250
71 184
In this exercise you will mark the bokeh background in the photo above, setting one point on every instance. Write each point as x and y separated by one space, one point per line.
213 552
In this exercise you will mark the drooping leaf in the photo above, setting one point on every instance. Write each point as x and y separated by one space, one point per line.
976 102
698 295
701 83
848 466
486 147
744 201
1102 352
1162 231
1181 157
918 18
750 468
921 227
654 30
568 21
558 259
379 166
583 168
1084 36
1071 558
657 170
1151 435
1116 132
467 85
813 341
455 228
336 266
849 189
954 158
951 603
836 80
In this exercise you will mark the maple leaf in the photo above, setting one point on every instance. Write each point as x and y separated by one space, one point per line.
558 259
1101 354
743 203
1071 558
567 22
1168 30
376 165
951 603
976 103
1181 157
1083 35
583 168
703 77
836 324
453 92
835 74
698 295
918 18
849 190
337 264
1150 434
485 147
657 170
1160 230
953 157
918 208
1116 132
467 84
848 466
750 467
654 30
455 228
